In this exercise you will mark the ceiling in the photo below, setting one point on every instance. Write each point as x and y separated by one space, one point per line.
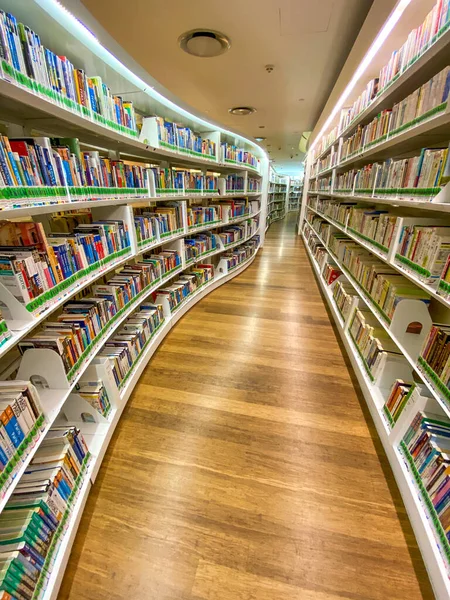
307 42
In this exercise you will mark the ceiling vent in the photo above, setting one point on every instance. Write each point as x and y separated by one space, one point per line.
242 111
204 43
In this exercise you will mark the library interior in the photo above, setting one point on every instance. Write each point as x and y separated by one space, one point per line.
225 300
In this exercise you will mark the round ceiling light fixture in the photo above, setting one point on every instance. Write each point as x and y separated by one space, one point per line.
260 139
242 111
204 43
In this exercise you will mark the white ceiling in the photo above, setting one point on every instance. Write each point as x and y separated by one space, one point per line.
306 41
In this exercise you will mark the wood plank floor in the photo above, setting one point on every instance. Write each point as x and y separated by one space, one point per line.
243 467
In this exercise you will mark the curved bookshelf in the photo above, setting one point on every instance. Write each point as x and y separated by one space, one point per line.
236 162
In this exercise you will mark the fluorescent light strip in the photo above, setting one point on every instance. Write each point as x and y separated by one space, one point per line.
84 35
370 54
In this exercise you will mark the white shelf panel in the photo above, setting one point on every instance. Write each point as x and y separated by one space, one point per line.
421 525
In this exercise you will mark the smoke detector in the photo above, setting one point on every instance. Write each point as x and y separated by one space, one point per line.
204 43
242 111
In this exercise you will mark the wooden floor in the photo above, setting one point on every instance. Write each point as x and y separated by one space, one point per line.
243 467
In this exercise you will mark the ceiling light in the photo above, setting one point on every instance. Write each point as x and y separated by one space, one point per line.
369 56
242 111
262 126
204 43
260 139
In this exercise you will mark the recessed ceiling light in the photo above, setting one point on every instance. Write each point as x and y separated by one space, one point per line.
262 126
259 139
204 43
242 111
301 99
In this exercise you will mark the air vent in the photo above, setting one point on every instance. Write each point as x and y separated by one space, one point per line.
204 43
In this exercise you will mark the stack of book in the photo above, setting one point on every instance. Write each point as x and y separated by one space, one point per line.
184 139
211 183
327 162
235 183
425 249
33 520
317 249
343 294
231 153
94 392
232 234
163 263
164 181
168 219
385 286
320 226
24 56
419 175
417 42
146 227
324 184
435 355
361 103
33 264
82 322
253 184
398 398
199 245
344 181
426 445
21 422
325 142
376 226
372 342
241 254
185 286
46 162
125 347
203 215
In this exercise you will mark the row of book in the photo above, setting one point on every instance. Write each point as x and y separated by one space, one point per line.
373 343
426 249
21 422
183 138
235 183
159 221
325 142
385 286
33 520
82 322
21 49
201 244
422 174
427 441
95 394
418 41
253 185
185 286
51 162
203 215
436 352
329 161
343 294
195 181
34 263
376 225
399 395
235 154
124 348
323 184
241 254
431 95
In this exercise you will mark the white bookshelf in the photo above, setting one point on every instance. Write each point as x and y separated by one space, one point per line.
432 130
277 199
30 114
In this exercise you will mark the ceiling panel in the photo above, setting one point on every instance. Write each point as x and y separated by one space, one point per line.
307 42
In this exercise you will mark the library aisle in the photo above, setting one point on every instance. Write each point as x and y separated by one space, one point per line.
232 475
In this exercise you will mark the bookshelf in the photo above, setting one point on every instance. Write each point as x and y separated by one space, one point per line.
144 215
277 199
369 196
295 193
